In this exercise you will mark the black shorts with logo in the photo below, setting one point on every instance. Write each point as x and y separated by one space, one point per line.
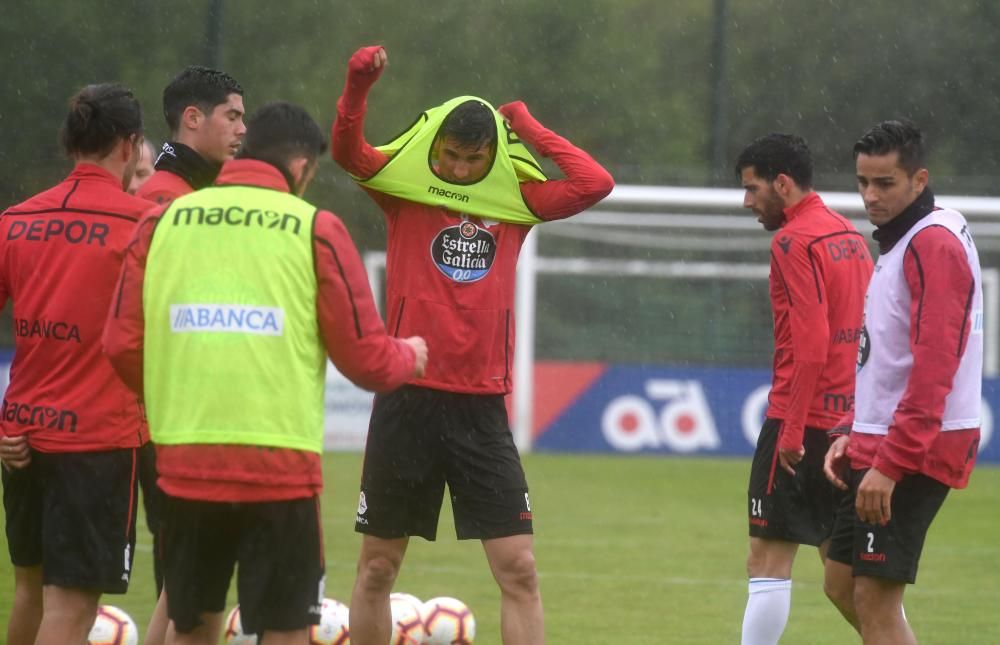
279 549
796 509
419 440
73 514
152 503
892 551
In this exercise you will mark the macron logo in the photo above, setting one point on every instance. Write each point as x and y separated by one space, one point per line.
236 319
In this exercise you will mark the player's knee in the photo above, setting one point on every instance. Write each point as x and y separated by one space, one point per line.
842 597
378 573
518 574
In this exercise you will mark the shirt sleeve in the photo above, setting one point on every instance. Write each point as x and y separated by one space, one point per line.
942 286
800 276
124 332
586 182
353 333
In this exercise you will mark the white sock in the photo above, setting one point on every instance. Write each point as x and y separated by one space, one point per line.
767 611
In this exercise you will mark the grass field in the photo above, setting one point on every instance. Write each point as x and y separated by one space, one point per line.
651 550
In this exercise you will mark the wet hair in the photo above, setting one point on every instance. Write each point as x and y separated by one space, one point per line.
899 135
99 116
199 86
778 154
279 132
470 124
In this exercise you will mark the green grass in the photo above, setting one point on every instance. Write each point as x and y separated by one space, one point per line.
651 550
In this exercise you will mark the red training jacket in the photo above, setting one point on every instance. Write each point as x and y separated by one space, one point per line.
352 332
163 187
820 268
468 325
59 260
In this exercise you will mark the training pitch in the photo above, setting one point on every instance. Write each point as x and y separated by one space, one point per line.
647 550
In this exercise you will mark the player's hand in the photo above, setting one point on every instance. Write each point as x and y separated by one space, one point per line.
874 501
788 458
419 346
835 461
365 66
520 120
14 451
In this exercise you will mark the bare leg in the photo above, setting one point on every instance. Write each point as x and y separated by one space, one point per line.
67 615
378 566
297 637
26 611
838 583
769 567
207 633
879 604
156 631
512 562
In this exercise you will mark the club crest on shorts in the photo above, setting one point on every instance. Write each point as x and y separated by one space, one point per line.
362 504
464 252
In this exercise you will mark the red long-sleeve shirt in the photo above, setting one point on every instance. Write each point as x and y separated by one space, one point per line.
939 280
163 187
820 267
60 253
352 332
469 326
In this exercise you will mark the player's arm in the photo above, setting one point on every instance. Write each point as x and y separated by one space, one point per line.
348 145
353 333
124 331
941 291
798 275
586 181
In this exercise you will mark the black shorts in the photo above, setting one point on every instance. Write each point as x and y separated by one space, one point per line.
420 439
152 503
892 551
279 549
73 514
796 509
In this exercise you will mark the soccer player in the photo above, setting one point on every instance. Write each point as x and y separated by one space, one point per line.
820 267
71 429
229 301
204 111
914 432
450 277
144 169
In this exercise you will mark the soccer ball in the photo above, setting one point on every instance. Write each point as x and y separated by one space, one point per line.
407 622
113 627
448 622
234 630
333 625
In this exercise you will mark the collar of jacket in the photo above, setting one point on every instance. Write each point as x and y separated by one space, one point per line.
187 164
888 234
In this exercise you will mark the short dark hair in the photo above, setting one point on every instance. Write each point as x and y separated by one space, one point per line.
470 124
99 116
199 86
897 135
279 132
778 154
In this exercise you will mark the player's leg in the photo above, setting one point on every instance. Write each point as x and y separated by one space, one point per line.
199 555
23 507
886 557
88 537
490 500
838 577
26 610
402 486
769 598
771 552
378 566
879 604
156 630
282 569
512 561
67 616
